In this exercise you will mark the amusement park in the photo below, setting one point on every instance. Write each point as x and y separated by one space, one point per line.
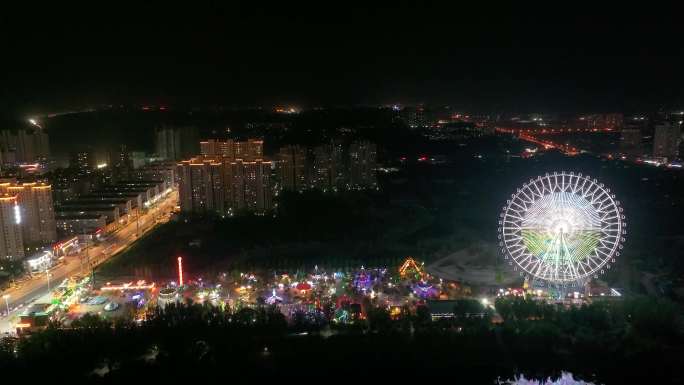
558 233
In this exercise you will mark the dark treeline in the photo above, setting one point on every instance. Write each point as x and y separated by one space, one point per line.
342 230
636 341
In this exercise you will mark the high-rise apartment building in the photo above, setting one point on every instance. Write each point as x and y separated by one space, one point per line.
321 169
83 162
228 176
162 171
614 121
176 142
292 168
25 146
11 240
362 165
219 185
201 186
248 185
630 141
217 147
168 143
249 149
327 170
255 149
666 140
37 211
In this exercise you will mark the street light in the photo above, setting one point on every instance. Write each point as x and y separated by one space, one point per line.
6 297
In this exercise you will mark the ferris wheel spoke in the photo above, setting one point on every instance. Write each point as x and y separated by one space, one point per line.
598 199
608 256
567 183
573 270
554 186
580 267
581 188
516 243
527 262
555 183
538 191
514 216
531 193
576 187
607 218
517 248
607 243
602 203
593 263
523 208
529 200
512 232
590 192
541 269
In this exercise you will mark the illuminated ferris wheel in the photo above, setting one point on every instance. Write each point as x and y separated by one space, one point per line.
561 228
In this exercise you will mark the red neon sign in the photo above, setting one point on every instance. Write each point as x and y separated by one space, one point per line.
180 271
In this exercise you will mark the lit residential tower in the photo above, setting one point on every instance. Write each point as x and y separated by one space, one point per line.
11 240
362 164
292 168
37 211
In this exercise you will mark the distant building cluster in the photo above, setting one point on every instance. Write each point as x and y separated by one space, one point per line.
175 142
230 175
655 138
443 123
666 140
227 176
418 117
94 199
159 171
609 121
104 209
562 122
27 218
85 173
24 146
632 137
328 167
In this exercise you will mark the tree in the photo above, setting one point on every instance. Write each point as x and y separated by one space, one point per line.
91 321
379 320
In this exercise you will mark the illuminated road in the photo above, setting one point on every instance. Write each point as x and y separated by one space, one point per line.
37 287
545 144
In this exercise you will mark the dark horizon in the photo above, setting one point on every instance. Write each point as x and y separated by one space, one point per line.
513 60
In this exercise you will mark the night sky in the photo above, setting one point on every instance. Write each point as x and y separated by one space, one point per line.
490 59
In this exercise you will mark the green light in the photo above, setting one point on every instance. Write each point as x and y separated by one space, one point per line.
572 247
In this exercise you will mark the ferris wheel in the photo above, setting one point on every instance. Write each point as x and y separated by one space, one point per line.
562 228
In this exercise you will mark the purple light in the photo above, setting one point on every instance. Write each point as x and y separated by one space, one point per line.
424 290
